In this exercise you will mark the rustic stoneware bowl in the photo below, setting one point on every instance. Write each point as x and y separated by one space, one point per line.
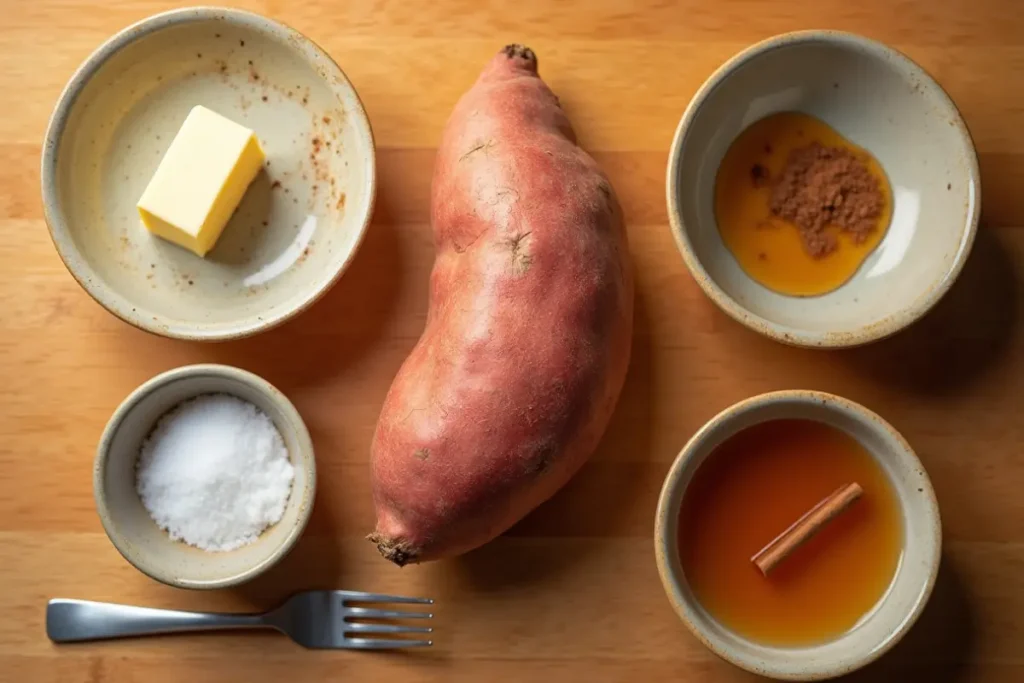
876 98
298 226
128 524
915 576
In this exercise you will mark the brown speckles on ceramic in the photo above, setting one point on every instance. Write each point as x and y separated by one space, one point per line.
915 577
884 103
116 119
129 525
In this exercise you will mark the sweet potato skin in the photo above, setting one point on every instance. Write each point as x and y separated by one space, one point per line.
528 331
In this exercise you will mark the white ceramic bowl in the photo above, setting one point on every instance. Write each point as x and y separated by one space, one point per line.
915 576
130 527
298 226
878 99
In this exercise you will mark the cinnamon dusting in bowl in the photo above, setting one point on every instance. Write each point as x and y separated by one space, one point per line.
799 206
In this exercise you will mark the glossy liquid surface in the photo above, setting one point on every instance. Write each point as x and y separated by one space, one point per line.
769 249
750 489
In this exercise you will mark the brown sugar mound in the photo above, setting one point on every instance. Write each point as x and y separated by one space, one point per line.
822 186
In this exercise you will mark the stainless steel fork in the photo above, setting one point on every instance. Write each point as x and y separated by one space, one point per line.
313 619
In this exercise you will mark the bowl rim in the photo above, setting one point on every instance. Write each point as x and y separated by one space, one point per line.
53 214
793 336
674 479
306 459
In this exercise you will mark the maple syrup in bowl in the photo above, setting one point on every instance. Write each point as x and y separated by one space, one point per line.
822 189
845 594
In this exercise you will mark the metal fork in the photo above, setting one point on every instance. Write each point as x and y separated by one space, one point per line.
313 619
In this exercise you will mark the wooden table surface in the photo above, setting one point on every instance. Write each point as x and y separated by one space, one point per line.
571 593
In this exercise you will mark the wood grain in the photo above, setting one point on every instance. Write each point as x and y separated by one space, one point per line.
572 592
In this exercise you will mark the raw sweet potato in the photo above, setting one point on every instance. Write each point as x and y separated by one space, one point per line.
528 330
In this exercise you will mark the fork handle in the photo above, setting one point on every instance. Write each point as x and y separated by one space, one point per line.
77 620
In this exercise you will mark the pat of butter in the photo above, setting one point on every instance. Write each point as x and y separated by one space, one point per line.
200 181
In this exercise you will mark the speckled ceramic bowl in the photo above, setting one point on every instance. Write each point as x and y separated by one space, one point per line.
915 576
129 526
298 226
876 98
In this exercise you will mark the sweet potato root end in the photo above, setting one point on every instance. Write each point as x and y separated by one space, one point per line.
520 51
397 551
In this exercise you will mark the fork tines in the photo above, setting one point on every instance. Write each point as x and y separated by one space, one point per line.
358 596
357 629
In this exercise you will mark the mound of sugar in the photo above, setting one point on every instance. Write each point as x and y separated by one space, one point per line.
215 473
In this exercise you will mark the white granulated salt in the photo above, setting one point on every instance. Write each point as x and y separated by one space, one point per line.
215 473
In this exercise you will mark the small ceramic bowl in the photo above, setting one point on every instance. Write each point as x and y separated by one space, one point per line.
130 527
915 576
881 101
299 224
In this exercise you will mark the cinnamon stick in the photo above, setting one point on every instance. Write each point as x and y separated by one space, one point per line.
800 531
